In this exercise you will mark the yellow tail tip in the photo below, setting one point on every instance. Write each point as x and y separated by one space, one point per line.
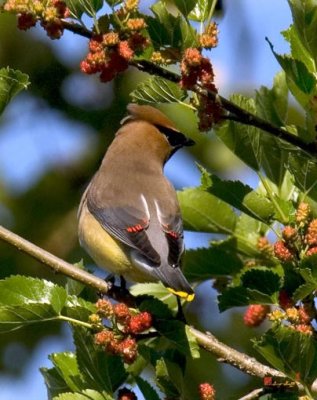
184 295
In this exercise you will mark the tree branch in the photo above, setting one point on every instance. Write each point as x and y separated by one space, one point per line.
235 112
205 340
233 357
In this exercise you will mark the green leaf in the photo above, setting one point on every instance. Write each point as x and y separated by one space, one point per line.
180 336
271 104
78 7
300 81
11 83
304 171
242 197
246 234
298 49
85 395
66 366
55 384
262 279
304 13
185 6
156 290
201 12
25 300
101 371
113 3
168 31
149 393
233 297
291 352
204 212
206 263
157 90
169 378
303 291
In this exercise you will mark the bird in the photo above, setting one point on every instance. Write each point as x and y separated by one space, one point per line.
129 218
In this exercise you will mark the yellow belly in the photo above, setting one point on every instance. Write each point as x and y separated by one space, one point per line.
107 253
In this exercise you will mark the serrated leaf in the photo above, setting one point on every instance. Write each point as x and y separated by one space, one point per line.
25 300
156 290
101 371
168 31
180 336
298 49
147 390
246 235
169 377
11 83
201 11
185 6
242 197
206 263
304 13
233 297
261 279
157 90
303 291
256 149
304 171
54 383
204 212
79 7
88 394
291 352
66 365
271 104
300 81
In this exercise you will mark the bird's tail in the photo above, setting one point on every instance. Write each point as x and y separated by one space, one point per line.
175 281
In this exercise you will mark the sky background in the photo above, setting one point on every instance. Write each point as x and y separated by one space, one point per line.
30 143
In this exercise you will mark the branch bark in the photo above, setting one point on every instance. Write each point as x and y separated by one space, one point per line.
206 340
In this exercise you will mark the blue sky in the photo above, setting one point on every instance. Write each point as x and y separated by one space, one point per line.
24 135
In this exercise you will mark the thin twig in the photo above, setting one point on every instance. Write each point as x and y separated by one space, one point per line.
207 341
255 394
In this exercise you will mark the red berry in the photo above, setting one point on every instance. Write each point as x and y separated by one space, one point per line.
206 391
255 314
128 349
282 252
121 312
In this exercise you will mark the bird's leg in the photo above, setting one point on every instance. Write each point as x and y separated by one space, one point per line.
180 313
123 283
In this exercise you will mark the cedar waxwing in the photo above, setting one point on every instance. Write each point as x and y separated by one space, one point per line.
129 217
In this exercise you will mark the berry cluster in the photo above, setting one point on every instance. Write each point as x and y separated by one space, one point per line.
49 12
126 394
198 69
209 39
300 240
111 51
126 324
297 317
255 314
206 391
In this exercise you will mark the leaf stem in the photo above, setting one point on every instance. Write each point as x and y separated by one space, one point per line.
75 321
271 196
